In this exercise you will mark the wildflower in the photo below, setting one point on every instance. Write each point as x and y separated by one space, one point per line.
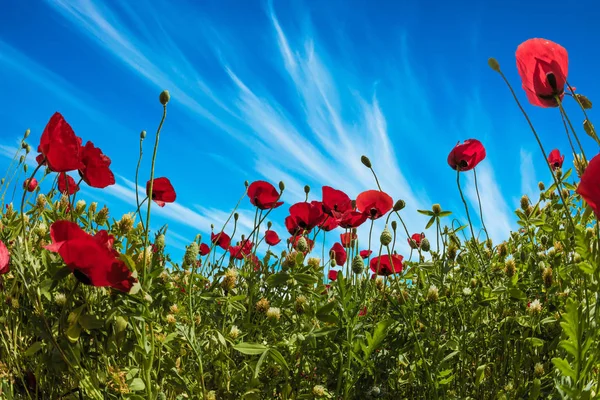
274 313
91 258
338 253
374 203
451 252
40 201
314 263
358 265
335 202
174 308
541 186
4 259
580 164
304 217
432 294
365 253
230 278
538 369
415 240
467 291
319 391
234 332
332 274
262 305
30 184
436 209
466 156
162 191
300 304
555 159
59 146
352 219
272 238
96 167
295 242
191 254
301 244
425 245
535 307
171 319
221 239
348 239
386 236
126 223
263 195
204 249
102 216
164 97
66 184
386 264
60 299
510 268
547 276
92 208
362 312
543 67
328 223
589 186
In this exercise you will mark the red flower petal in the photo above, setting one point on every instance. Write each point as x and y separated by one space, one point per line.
272 238
365 253
264 195
543 66
4 259
96 167
66 184
305 216
465 156
221 239
415 240
162 191
555 159
348 238
384 266
374 203
339 254
332 275
335 201
59 145
204 249
589 187
30 184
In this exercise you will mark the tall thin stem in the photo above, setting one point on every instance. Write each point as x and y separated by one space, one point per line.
137 172
480 207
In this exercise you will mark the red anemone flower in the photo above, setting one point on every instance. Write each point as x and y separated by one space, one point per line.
384 266
221 239
365 253
30 184
59 146
92 259
555 159
348 239
543 66
162 191
4 259
465 156
338 253
272 238
374 203
335 202
415 240
306 216
589 187
204 249
264 195
96 167
66 184
332 275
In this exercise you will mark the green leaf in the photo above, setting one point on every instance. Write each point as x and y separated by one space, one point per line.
34 348
305 279
374 340
536 387
426 212
74 332
137 385
430 222
445 213
259 363
323 332
278 279
517 294
90 322
278 358
325 310
480 374
564 367
535 342
251 348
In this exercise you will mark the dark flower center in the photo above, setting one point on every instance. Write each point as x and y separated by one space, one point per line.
81 277
463 164
552 81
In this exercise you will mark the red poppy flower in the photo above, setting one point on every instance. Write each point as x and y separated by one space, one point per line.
30 184
66 184
415 240
162 191
555 159
362 312
326 290
272 238
335 202
543 66
352 219
348 239
96 167
374 203
255 261
332 275
365 253
467 155
4 259
384 266
589 187
221 239
305 216
59 146
339 254
204 249
91 258
264 195
328 224
241 250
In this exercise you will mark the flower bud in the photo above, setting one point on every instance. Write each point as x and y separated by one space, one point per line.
27 149
544 239
306 189
400 204
191 254
164 97
358 265
541 186
425 244
27 132
23 144
547 276
274 313
584 101
432 294
436 208
524 202
21 159
80 206
510 268
25 167
262 305
143 135
300 304
538 369
493 63
281 186
102 216
386 237
269 224
60 299
302 244
366 162
589 129
394 226
558 173
234 332
246 183
236 216
160 241
92 208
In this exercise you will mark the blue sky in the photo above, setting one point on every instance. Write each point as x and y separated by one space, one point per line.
294 91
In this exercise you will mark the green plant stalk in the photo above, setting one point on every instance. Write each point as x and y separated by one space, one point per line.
480 207
137 172
564 113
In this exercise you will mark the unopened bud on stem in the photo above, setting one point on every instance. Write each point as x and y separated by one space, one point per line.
366 162
164 97
493 63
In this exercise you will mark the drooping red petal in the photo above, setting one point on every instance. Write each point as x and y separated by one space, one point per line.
415 240
386 264
335 200
365 253
4 259
221 239
162 191
332 275
465 156
272 238
204 249
374 203
96 167
348 238
339 254
264 195
589 186
59 146
66 184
